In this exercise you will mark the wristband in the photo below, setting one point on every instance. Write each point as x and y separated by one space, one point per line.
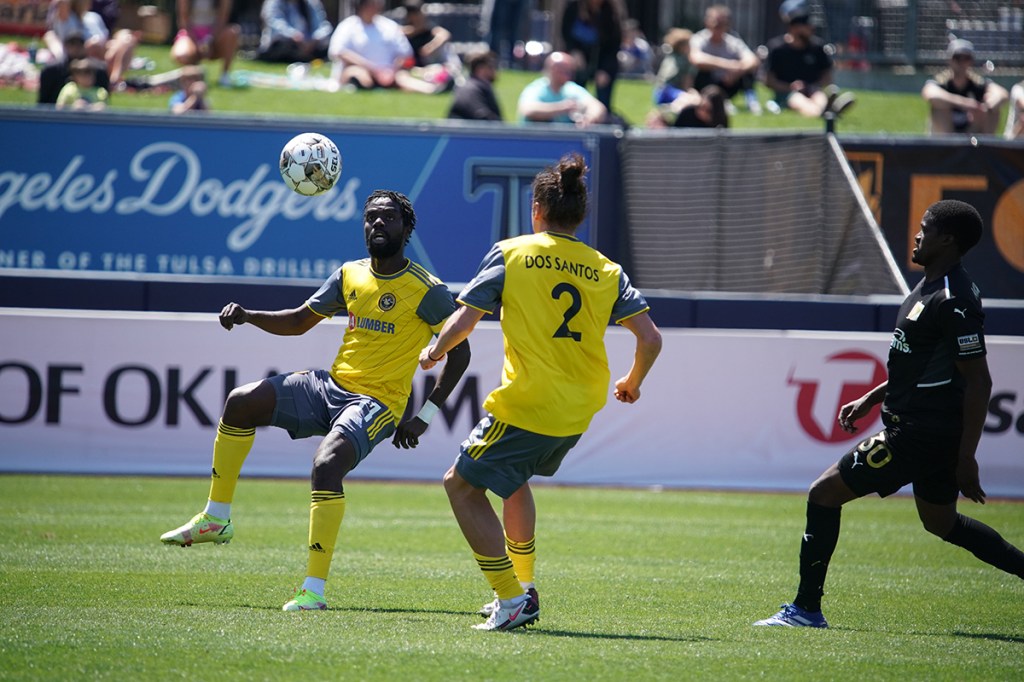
427 412
432 359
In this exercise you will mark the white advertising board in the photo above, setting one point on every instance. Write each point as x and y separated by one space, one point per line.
141 393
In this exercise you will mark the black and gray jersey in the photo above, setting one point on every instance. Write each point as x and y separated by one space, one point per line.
939 323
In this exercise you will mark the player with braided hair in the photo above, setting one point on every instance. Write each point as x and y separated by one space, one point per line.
557 296
394 306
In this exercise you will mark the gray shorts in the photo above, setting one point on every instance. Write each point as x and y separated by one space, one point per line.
502 457
311 403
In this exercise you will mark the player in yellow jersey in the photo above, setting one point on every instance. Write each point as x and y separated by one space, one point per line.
557 297
394 308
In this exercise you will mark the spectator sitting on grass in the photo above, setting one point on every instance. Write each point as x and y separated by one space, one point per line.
799 69
191 95
294 31
555 98
68 17
432 57
475 99
723 59
370 51
205 32
960 98
53 76
676 73
81 92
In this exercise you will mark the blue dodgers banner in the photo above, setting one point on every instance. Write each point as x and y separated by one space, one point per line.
162 196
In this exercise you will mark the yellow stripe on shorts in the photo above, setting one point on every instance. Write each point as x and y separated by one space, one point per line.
379 423
496 431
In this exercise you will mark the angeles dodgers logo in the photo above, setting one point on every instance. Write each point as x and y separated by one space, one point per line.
826 386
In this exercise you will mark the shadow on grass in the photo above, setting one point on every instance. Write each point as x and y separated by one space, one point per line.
609 635
990 636
534 630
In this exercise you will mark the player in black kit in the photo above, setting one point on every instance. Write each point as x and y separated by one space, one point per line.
933 409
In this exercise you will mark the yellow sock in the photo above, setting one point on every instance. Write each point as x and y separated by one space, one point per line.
523 557
500 574
230 448
325 514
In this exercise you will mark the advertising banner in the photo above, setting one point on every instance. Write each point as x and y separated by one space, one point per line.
901 178
141 393
118 195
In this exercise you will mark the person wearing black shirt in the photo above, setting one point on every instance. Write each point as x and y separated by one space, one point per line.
475 99
961 100
705 110
934 406
53 77
798 68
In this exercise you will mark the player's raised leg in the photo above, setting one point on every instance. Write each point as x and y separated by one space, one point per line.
246 408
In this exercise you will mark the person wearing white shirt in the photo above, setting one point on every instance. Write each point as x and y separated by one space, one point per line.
371 51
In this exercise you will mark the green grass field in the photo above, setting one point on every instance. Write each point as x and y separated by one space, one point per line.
634 584
875 112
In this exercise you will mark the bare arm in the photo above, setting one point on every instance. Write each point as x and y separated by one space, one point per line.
648 346
546 111
748 61
851 412
977 391
995 96
439 39
940 98
408 433
294 322
457 329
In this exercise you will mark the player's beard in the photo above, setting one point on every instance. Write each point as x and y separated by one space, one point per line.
384 249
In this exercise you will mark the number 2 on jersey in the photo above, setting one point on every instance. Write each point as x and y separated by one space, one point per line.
575 305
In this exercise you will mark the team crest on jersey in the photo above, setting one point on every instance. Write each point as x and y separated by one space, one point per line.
386 302
915 312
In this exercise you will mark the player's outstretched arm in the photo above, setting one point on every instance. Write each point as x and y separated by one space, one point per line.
408 433
977 391
852 411
456 329
292 322
648 346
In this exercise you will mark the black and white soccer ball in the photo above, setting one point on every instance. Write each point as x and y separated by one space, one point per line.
310 164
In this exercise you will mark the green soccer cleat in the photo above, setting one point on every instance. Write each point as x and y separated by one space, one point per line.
202 528
304 600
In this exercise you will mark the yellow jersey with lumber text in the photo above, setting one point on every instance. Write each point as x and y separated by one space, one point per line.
390 319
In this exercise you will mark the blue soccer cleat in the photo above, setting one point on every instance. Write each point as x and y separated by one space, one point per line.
792 616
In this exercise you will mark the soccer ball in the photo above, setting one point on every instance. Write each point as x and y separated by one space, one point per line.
310 164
